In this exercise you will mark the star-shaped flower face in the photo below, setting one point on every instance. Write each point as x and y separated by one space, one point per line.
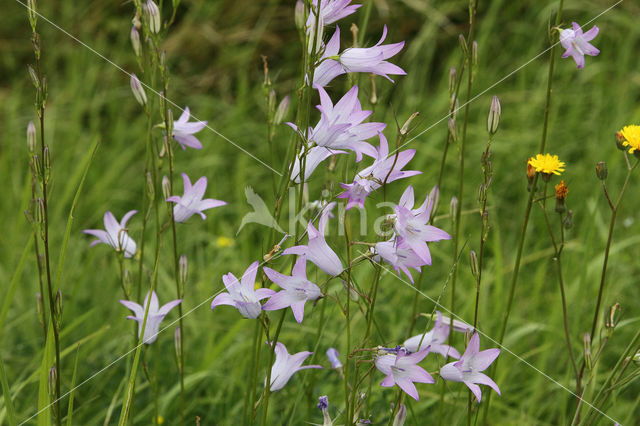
416 232
434 339
468 368
286 365
577 43
398 254
402 370
183 131
243 295
297 289
317 250
115 234
191 201
154 317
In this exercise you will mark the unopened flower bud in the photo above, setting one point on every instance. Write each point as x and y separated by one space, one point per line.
452 80
53 378
135 41
40 308
568 220
37 165
587 350
463 44
183 268
34 77
334 358
166 187
33 15
39 211
299 15
612 318
561 194
46 162
473 263
58 310
154 16
601 170
453 131
31 137
177 343
281 111
474 53
323 405
405 127
151 190
138 90
453 208
494 116
401 416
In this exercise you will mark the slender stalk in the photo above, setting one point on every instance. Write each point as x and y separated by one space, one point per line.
267 386
347 408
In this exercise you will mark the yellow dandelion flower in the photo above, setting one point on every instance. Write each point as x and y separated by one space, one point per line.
224 242
547 164
631 135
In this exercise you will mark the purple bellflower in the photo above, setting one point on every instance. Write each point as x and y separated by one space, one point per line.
183 131
297 289
242 294
115 234
577 43
402 370
371 178
334 358
356 59
468 368
315 156
317 250
286 365
398 254
331 11
154 317
434 339
191 201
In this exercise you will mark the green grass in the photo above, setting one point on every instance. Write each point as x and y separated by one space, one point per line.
213 53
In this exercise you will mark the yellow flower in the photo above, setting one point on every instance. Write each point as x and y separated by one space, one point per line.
547 164
631 136
223 242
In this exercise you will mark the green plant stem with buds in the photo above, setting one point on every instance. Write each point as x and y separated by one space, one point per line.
527 212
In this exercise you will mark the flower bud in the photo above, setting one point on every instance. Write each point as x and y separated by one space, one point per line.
33 15
281 111
463 44
601 170
31 137
37 165
587 350
323 404
619 141
34 77
568 220
154 16
494 116
183 268
561 194
40 308
474 53
46 163
39 211
138 90
135 41
401 416
334 358
177 343
453 208
299 15
473 263
53 378
453 131
166 187
613 318
452 80
151 190
405 127
58 310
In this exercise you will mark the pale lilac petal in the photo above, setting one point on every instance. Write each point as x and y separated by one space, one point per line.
278 301
222 299
475 389
407 385
164 310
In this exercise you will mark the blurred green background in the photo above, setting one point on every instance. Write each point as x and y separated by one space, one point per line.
214 52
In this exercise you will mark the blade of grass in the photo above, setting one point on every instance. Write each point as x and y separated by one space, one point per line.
73 385
11 414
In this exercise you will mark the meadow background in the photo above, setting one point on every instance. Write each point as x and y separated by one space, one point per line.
214 56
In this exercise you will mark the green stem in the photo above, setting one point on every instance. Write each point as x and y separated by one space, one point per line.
267 387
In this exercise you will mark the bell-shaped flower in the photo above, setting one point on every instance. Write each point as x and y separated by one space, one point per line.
115 234
433 339
577 43
154 317
384 169
416 232
317 250
286 365
314 157
402 370
183 131
398 254
243 294
297 289
329 12
356 59
334 358
468 368
407 200
191 201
